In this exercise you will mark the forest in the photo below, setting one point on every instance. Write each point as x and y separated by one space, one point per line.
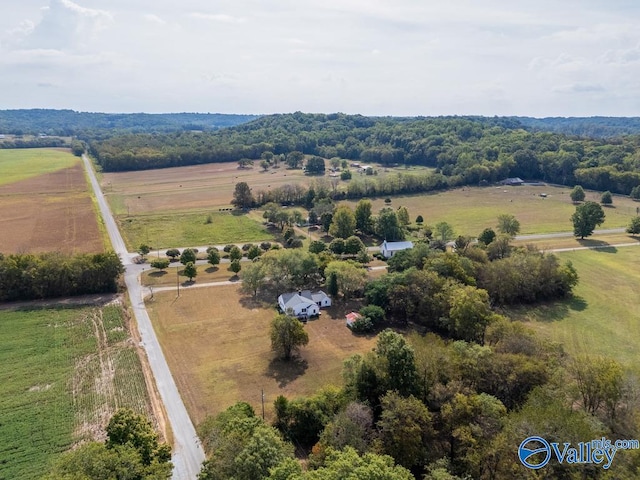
462 150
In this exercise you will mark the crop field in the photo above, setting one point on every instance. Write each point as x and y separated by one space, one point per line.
218 348
63 374
48 211
603 318
470 210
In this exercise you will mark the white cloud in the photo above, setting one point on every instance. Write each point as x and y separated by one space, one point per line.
217 17
155 19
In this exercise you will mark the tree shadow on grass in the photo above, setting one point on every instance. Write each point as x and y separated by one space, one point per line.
211 269
597 245
285 372
158 273
553 311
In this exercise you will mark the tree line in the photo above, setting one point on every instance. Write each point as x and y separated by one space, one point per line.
464 150
49 275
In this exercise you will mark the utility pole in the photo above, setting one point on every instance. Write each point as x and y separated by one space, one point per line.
178 281
263 404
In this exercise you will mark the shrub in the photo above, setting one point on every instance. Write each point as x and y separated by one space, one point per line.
246 247
362 325
265 246
227 248
211 249
173 253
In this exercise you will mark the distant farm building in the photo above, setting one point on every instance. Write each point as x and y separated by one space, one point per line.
388 249
352 318
516 181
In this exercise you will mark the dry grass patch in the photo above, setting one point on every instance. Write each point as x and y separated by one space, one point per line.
218 348
50 212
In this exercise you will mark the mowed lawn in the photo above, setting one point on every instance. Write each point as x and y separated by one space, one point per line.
218 348
470 210
22 163
603 318
191 229
55 389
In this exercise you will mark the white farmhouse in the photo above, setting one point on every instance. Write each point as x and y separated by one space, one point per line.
304 303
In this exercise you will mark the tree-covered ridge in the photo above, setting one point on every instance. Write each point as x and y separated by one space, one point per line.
593 127
70 122
465 150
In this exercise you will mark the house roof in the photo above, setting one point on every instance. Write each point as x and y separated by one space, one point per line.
301 299
396 245
352 317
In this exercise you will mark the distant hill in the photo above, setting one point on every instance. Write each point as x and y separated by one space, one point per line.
69 122
592 127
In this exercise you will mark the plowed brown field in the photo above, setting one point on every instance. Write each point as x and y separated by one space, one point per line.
51 212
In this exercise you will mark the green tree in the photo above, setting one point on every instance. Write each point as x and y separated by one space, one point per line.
235 266
403 216
188 255
399 362
317 246
405 429
508 225
287 335
351 277
332 284
577 194
213 257
600 383
160 263
635 192
131 429
265 165
242 196
364 221
634 226
606 199
347 464
294 159
190 271
343 224
419 220
487 236
254 277
388 227
353 245
235 253
470 313
444 231
144 250
254 252
315 165
586 218
173 253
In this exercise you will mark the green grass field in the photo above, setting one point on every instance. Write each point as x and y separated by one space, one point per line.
63 372
470 210
190 229
603 318
20 164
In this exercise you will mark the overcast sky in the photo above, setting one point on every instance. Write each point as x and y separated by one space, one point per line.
374 57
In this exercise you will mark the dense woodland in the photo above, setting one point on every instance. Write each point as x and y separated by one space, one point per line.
450 401
463 150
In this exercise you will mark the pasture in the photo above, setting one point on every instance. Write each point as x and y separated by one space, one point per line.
603 317
191 229
470 210
48 211
63 373
218 347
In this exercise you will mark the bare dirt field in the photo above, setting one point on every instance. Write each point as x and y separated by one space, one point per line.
50 212
218 348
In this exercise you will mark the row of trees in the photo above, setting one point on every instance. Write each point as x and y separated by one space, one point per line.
47 275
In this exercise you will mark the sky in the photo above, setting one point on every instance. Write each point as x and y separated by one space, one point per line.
373 57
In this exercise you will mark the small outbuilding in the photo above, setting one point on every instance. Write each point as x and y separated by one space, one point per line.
352 318
516 181
388 249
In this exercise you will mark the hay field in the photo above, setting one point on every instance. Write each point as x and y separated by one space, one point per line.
217 345
470 210
22 163
200 187
50 211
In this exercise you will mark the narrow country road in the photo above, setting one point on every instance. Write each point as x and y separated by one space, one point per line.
188 453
